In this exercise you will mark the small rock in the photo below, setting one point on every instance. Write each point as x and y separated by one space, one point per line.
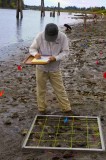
14 104
19 78
101 99
56 158
24 132
79 128
102 118
37 136
3 110
83 144
7 122
68 155
40 123
46 156
7 81
94 156
15 115
90 131
54 98
49 130
14 98
21 118
81 50
58 145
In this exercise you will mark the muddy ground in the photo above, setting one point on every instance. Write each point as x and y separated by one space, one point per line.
86 87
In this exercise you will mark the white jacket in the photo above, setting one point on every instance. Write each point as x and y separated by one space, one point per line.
59 49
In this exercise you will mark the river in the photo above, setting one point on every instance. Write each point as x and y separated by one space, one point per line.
13 31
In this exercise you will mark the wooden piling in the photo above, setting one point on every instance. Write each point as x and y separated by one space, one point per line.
58 13
19 11
85 22
42 8
51 14
54 12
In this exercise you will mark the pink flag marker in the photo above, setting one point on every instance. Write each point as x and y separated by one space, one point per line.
101 52
104 75
97 62
19 68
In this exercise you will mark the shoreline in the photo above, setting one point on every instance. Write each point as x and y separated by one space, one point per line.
84 83
13 49
20 33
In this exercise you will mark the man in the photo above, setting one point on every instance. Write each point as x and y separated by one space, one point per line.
68 28
54 43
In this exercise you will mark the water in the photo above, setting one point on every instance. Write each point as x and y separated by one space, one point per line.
13 31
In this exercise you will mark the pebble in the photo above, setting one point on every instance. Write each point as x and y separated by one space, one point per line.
101 99
56 158
15 115
102 118
8 122
68 155
24 132
58 145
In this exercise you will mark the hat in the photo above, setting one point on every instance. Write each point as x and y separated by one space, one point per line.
51 32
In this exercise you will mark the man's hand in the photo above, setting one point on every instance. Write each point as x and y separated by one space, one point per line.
52 59
38 56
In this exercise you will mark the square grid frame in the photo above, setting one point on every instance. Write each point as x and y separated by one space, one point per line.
24 145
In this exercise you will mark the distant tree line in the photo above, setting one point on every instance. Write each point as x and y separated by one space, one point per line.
85 9
12 4
8 4
70 8
39 7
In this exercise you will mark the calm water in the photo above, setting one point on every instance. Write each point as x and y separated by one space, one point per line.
13 31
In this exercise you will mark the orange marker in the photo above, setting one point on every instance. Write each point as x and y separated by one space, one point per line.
1 93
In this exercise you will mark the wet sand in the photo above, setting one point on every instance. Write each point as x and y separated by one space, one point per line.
84 82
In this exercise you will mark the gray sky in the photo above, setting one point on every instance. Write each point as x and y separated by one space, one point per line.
78 3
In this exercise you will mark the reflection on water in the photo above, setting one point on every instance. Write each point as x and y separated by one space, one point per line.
57 18
41 23
19 30
29 26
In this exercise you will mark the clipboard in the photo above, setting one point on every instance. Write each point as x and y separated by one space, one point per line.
29 59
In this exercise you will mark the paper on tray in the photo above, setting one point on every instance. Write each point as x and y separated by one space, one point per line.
42 59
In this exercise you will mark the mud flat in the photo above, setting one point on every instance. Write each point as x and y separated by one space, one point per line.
83 78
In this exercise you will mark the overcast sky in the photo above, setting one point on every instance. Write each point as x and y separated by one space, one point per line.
64 3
